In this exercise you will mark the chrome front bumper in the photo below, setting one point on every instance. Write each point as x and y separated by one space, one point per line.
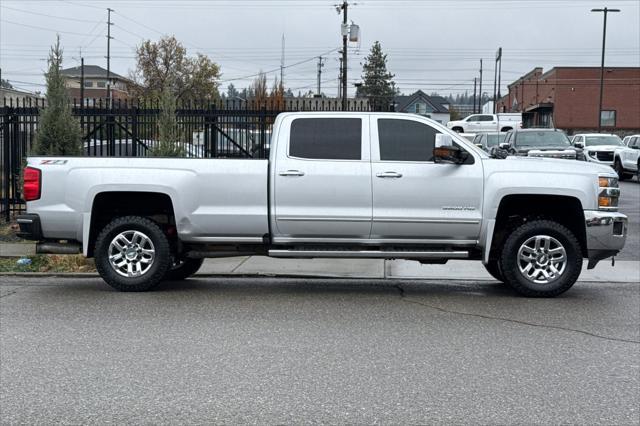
606 234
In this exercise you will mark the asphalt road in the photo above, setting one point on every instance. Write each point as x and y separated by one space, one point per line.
630 205
273 350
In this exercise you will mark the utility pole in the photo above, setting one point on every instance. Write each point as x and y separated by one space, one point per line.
475 80
282 63
82 82
480 100
495 82
500 73
340 81
320 65
109 24
604 38
345 35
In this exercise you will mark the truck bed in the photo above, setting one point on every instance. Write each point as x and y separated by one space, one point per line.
214 200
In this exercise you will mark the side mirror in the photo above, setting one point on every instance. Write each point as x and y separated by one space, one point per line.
443 140
479 145
578 145
504 145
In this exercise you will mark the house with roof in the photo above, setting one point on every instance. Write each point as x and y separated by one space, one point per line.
95 84
434 107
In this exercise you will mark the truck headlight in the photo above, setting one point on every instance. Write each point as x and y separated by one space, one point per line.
608 193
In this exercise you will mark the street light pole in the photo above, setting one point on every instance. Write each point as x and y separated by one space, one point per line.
604 38
345 35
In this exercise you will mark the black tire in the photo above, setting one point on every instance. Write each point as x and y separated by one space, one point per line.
510 262
458 129
506 129
620 170
160 261
183 269
493 268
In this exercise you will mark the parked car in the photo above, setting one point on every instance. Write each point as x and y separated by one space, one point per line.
486 141
597 147
129 148
626 139
468 136
336 185
550 143
487 123
626 159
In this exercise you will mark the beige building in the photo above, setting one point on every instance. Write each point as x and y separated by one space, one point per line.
95 84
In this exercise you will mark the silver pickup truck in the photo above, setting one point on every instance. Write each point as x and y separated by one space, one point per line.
336 185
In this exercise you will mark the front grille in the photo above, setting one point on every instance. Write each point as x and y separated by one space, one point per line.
604 155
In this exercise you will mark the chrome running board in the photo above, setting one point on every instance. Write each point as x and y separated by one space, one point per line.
371 254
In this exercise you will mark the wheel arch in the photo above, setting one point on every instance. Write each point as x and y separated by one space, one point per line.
107 205
516 209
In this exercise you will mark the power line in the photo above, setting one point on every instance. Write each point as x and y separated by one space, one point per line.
41 28
49 16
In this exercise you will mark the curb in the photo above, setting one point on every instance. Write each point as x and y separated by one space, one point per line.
76 275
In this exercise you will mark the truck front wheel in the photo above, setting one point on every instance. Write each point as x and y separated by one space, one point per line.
132 254
541 258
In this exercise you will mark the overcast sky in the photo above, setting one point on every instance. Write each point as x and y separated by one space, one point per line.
433 45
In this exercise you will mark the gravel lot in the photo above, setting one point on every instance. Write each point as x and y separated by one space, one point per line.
238 350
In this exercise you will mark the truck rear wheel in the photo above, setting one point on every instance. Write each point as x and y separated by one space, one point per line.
132 254
541 258
183 269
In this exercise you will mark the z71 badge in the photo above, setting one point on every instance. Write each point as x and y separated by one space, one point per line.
54 162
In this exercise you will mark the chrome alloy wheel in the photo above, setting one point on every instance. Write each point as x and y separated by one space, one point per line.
131 253
542 259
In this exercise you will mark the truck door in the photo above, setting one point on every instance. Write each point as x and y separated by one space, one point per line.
322 179
415 199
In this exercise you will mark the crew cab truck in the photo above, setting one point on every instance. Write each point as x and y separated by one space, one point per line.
477 123
336 185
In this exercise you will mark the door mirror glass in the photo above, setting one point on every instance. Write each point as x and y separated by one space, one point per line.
443 140
579 145
449 154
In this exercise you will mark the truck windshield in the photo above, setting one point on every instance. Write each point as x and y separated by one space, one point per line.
603 140
542 139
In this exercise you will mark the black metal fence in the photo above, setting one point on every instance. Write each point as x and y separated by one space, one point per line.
225 129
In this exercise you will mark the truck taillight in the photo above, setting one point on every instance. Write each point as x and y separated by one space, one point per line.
32 184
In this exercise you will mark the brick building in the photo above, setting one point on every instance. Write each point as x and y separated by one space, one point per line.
568 98
95 83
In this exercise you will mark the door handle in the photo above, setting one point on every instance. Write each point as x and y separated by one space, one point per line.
389 175
291 173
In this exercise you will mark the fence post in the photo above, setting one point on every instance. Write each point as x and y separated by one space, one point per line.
134 130
6 163
111 137
263 130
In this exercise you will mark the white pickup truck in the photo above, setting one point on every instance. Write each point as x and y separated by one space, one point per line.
479 123
347 185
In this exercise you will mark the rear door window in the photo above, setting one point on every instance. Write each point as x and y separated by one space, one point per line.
405 140
326 138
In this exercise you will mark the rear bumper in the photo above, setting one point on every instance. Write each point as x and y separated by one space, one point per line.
606 234
30 228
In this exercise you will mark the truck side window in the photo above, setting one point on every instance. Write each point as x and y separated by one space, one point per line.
405 140
326 138
486 118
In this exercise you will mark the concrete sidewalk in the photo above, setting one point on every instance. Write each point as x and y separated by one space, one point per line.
624 271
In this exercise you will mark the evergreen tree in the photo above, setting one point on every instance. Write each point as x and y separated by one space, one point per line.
378 85
59 133
168 135
232 92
